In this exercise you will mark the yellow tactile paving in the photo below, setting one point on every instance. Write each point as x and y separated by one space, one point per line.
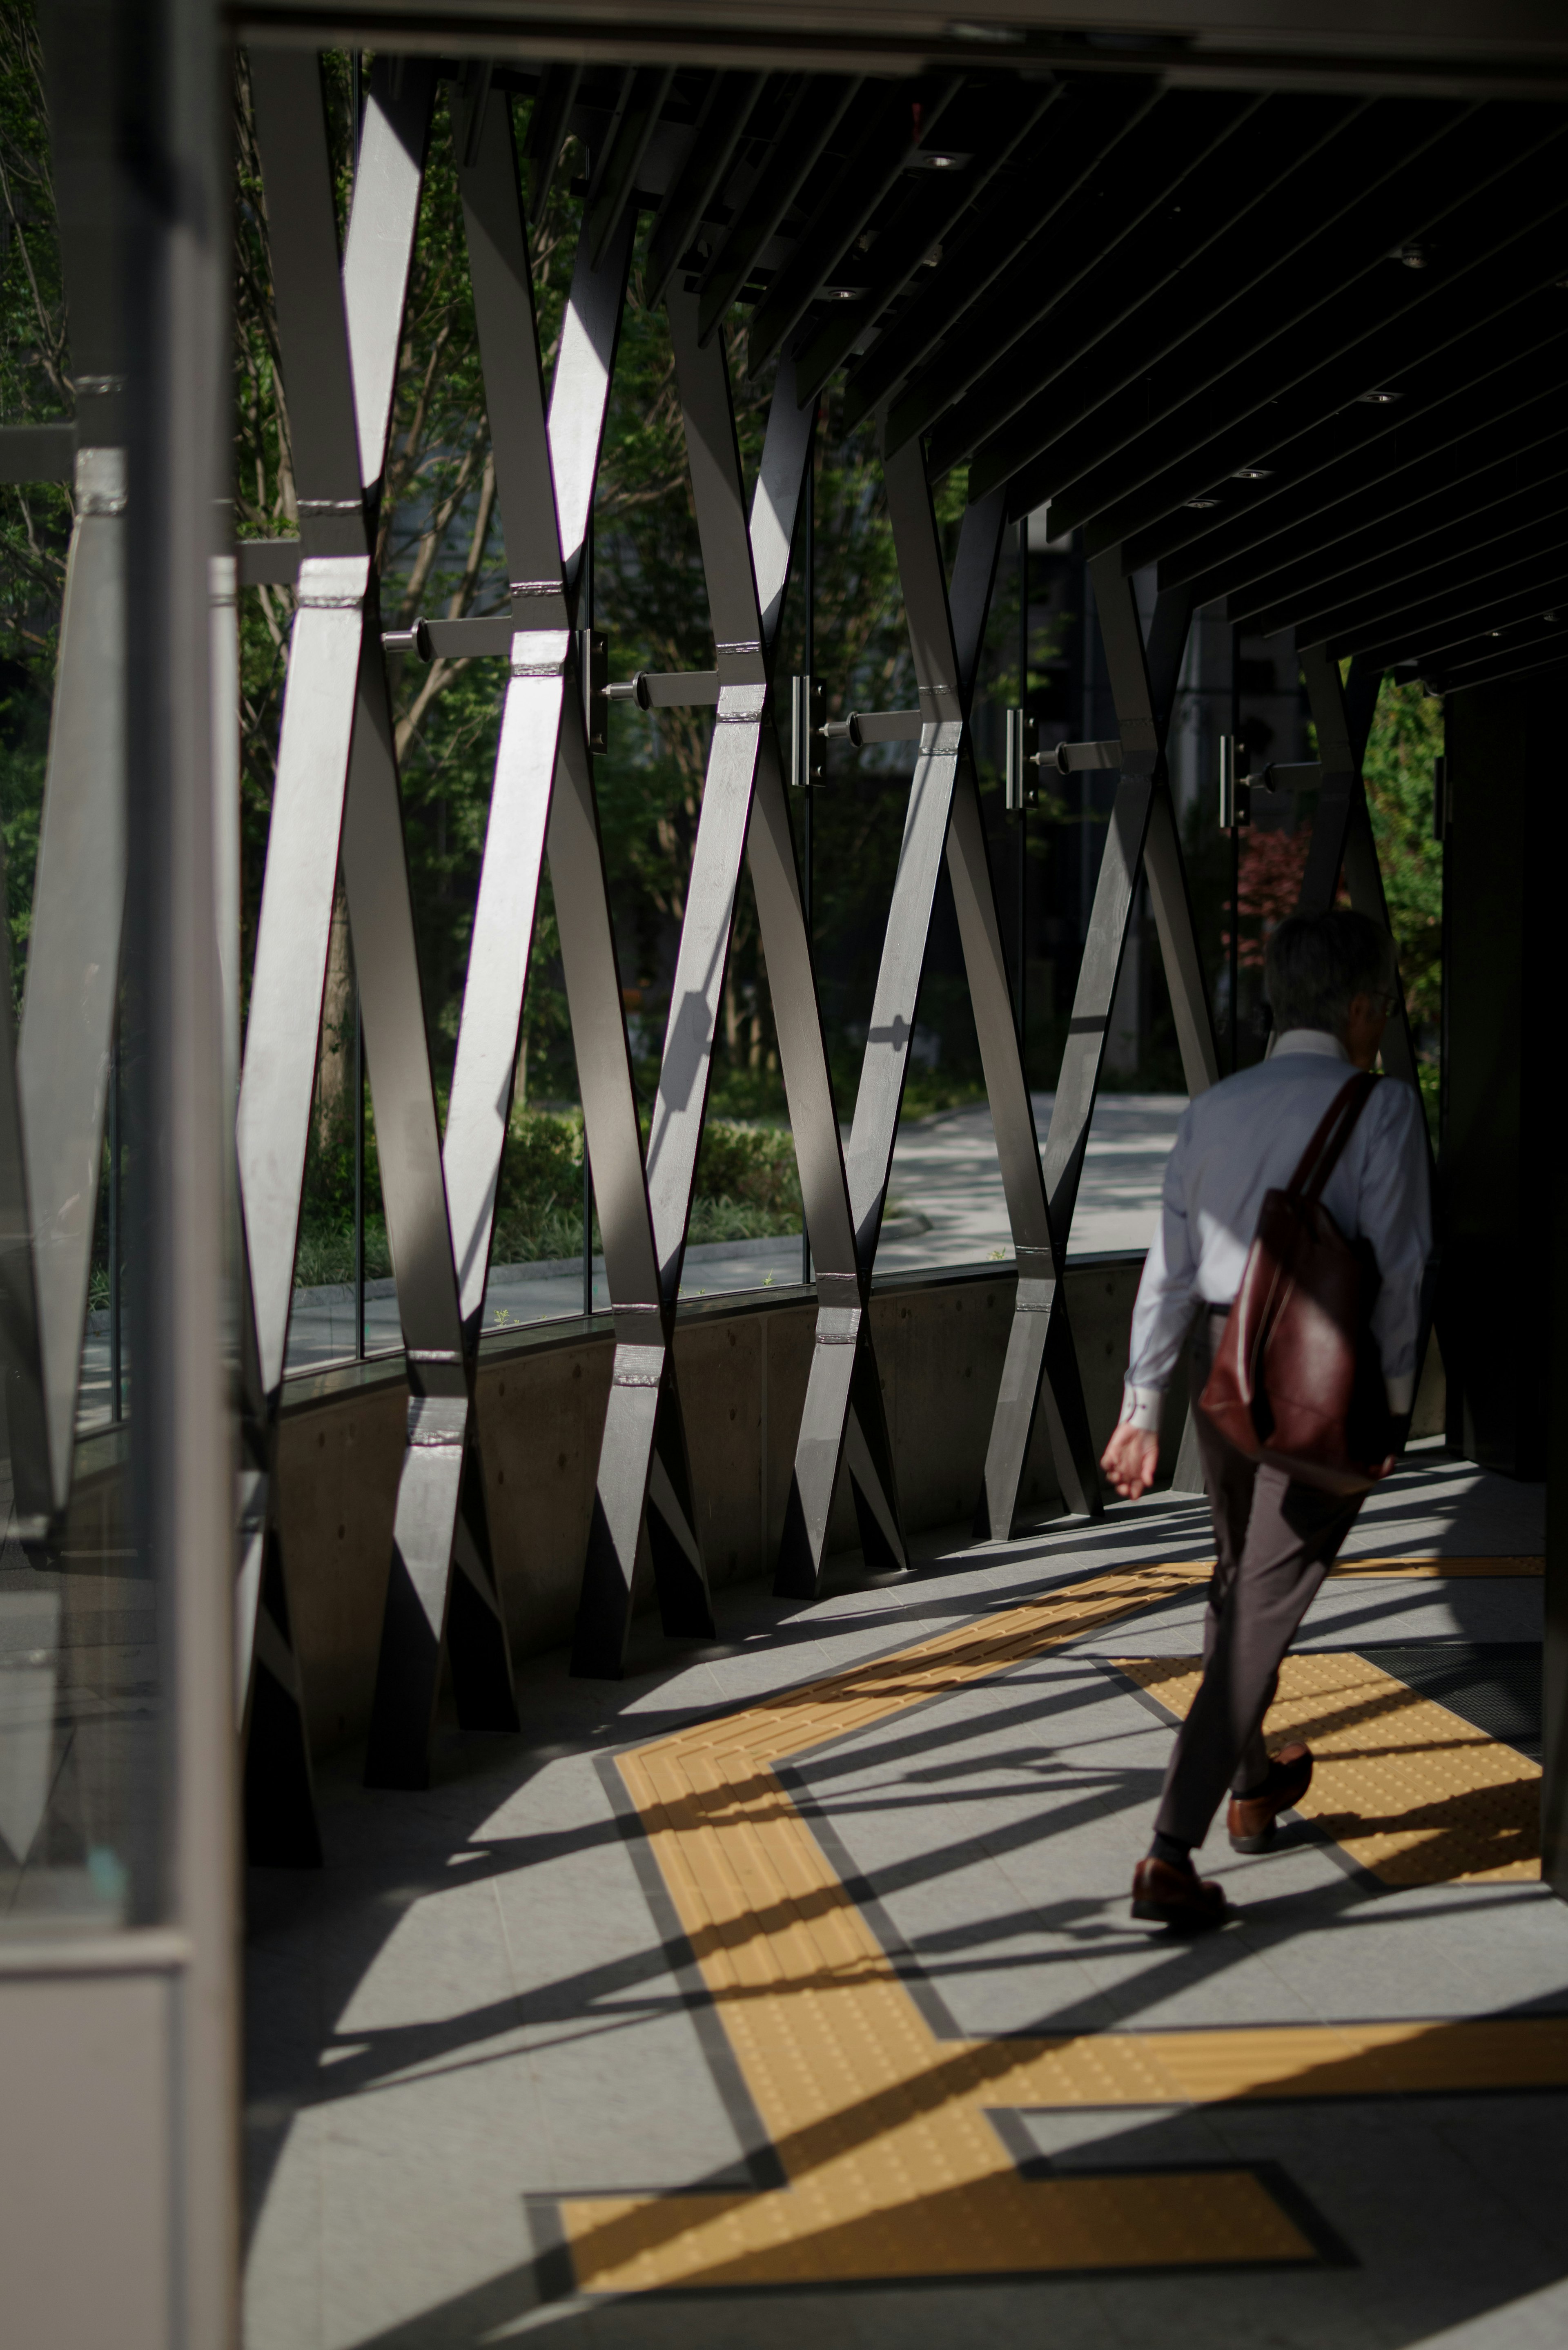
881 2127
1438 1567
1414 1793
1424 1568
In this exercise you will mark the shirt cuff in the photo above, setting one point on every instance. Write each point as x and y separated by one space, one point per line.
1141 1408
1401 1392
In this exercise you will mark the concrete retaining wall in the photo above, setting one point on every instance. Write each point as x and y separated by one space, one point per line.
741 1364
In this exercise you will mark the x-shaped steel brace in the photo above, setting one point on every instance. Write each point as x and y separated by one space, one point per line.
1142 835
1041 1363
542 803
943 815
336 795
746 568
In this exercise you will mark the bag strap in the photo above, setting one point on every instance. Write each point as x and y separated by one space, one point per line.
1321 1155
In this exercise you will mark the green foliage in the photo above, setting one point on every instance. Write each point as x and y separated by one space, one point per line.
1407 737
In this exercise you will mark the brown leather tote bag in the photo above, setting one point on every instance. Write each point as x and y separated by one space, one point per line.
1296 1379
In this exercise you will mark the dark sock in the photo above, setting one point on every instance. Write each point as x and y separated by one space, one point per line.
1172 1850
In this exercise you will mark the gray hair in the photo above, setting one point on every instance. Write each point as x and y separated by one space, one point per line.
1314 964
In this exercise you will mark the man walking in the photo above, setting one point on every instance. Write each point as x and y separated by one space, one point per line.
1330 981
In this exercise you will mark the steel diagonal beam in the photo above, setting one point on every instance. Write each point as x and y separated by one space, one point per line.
842 1425
289 971
843 1419
543 802
1041 1363
338 798
23 1435
746 571
1143 685
60 1070
1142 837
644 1516
531 713
441 1592
73 963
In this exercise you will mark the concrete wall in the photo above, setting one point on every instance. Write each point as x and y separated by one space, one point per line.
741 1365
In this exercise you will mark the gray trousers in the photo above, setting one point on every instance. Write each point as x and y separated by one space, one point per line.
1275 1540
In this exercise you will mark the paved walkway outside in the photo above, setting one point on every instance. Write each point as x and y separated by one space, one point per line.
790 1984
947 1210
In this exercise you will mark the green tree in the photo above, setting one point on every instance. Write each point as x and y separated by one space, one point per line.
1407 737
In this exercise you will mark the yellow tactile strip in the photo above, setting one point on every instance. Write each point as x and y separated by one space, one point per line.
1411 1791
1438 1567
880 2126
1422 1569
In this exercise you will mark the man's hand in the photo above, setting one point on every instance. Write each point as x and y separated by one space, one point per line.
1130 1460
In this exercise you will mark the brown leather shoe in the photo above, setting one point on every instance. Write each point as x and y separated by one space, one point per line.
1251 1819
1176 1897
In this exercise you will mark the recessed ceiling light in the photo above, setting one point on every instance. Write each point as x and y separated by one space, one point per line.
1252 473
1201 506
1379 399
1413 257
842 293
936 159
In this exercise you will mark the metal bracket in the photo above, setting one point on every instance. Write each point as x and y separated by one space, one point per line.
808 732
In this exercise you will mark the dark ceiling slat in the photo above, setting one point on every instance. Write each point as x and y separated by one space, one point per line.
883 138
1137 392
1317 576
1250 199
1092 116
1348 316
818 108
1394 356
1525 592
1408 357
1384 609
1539 652
1311 540
1139 177
1484 544
1479 381
616 175
547 124
926 217
730 104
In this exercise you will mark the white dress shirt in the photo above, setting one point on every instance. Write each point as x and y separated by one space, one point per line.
1245 1137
